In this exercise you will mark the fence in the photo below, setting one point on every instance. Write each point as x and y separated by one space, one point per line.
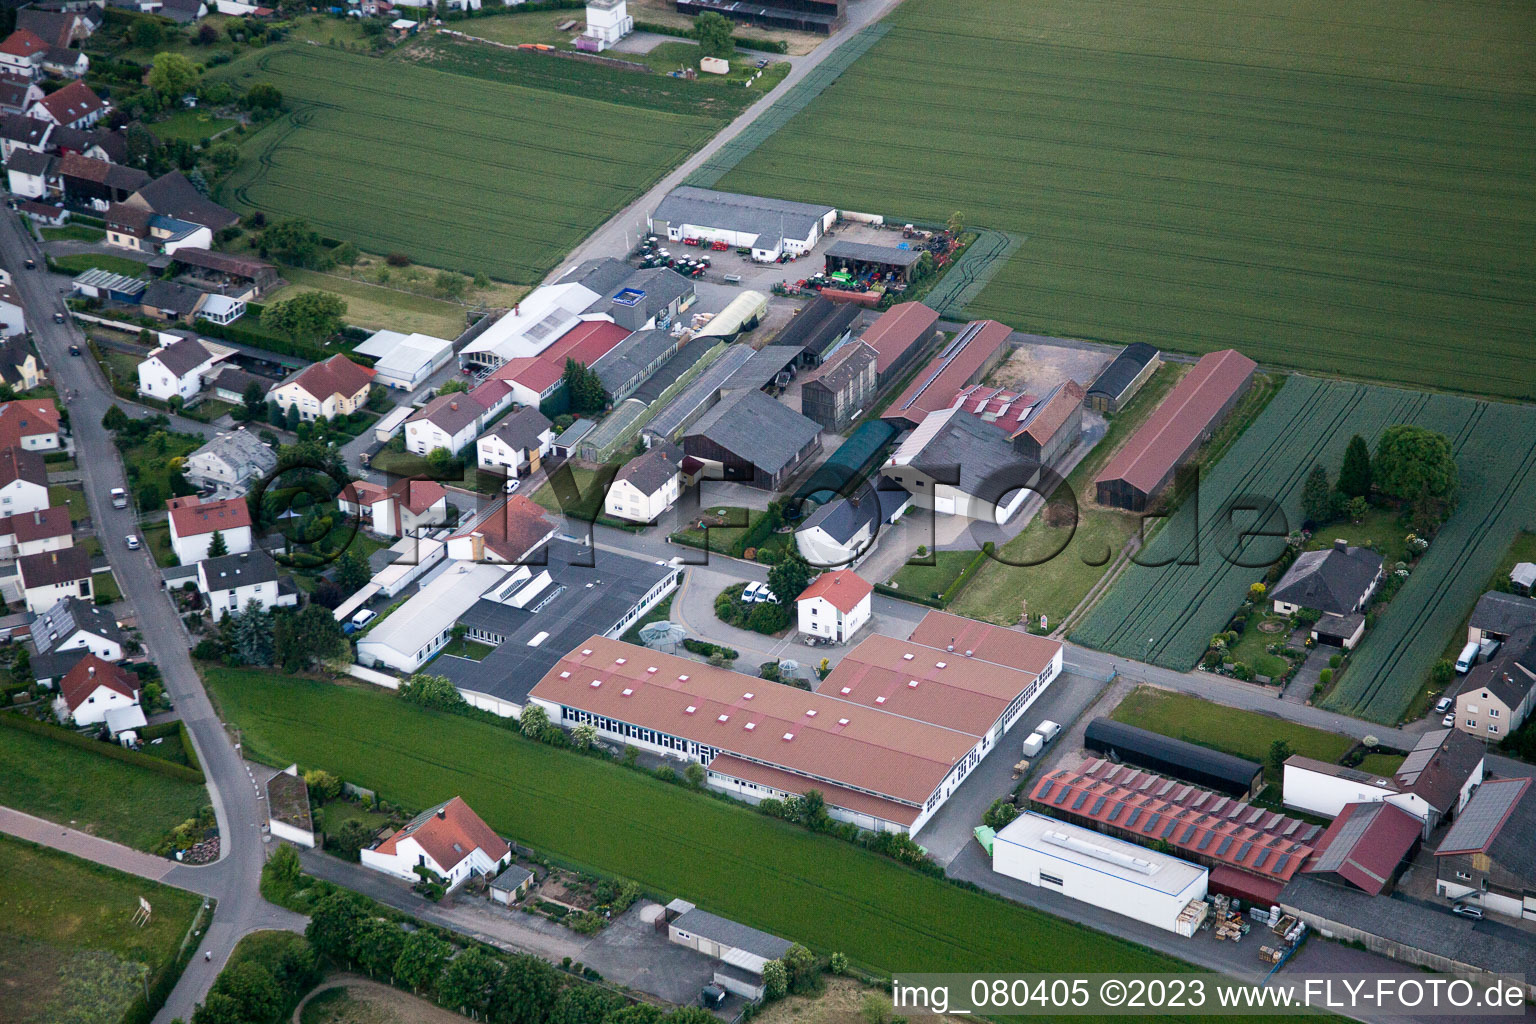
161 337
369 675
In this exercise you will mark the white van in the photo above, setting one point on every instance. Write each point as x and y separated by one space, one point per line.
1047 730
1467 659
364 617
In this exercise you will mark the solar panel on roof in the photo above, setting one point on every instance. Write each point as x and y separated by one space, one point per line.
1166 786
1479 823
1262 857
1312 830
1241 854
1206 840
1189 833
1135 816
1082 798
1292 827
1202 798
1226 844
1168 828
1281 863
1045 794
1152 823
1098 805
1115 813
1061 797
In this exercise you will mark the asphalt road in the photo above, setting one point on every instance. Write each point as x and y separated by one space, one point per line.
235 878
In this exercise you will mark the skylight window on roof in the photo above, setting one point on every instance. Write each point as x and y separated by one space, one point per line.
627 691
880 700
842 721
651 670
810 713
940 664
586 651
847 690
789 735
690 709
565 675
751 726
619 661
912 684
747 696
723 718
596 683
682 679
906 657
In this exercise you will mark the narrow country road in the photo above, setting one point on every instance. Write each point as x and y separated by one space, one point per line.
235 878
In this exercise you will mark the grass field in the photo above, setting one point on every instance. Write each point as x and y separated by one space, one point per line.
932 580
377 307
71 495
480 171
1185 601
67 939
104 586
190 126
79 263
1345 189
122 802
727 858
73 233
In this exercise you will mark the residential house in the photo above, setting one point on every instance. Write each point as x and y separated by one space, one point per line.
409 507
448 421
1497 616
50 576
143 230
76 625
31 424
955 464
1053 426
18 360
183 12
49 669
230 463
60 25
234 582
23 482
22 54
23 131
175 370
1496 697
752 439
336 387
647 485
510 531
529 380
1337 583
74 106
172 195
32 175
839 532
96 143
449 840
46 215
31 533
93 183
358 497
221 309
194 523
229 384
1487 858
17 94
835 606
517 445
13 322
839 389
93 689
171 302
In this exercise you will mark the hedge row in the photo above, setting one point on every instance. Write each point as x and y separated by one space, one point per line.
143 1011
950 592
112 750
903 595
257 338
178 728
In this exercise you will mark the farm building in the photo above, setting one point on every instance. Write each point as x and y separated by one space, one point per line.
1132 744
1146 463
769 227
1487 854
743 313
1252 852
632 362
1433 783
1099 870
770 366
839 532
970 355
900 335
239 277
846 469
1366 846
957 465
752 439
1053 425
405 361
1006 410
819 328
1118 382
887 262
530 327
1496 697
838 390
876 750
450 840
743 952
836 605
636 299
1497 616
822 17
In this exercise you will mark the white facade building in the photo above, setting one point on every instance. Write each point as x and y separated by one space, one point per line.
449 840
175 370
231 583
409 637
835 606
608 21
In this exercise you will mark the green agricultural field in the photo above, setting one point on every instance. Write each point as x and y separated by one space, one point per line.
70 947
503 173
732 860
1339 188
123 802
1180 604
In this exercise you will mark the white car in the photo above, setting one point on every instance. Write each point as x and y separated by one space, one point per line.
1443 705
749 592
133 542
1449 720
513 485
764 594
364 617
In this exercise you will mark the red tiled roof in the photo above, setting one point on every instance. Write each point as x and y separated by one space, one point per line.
844 589
996 644
27 417
837 796
71 103
448 833
585 343
22 43
1006 410
897 330
418 495
1149 456
28 526
512 529
956 365
210 516
361 492
89 673
338 375
535 373
1365 844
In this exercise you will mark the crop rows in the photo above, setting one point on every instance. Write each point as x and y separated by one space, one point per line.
457 172
1358 206
1188 582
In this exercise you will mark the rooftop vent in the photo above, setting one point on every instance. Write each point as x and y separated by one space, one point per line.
912 684
596 683
565 675
586 651
907 656
619 661
847 689
842 721
879 700
750 726
939 664
682 679
747 696
789 735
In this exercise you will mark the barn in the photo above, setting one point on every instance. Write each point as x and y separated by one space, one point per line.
1118 382
769 227
1191 762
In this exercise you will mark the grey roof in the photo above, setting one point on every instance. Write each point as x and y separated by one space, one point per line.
521 429
1139 746
606 276
651 471
732 934
583 599
818 325
1524 574
702 390
450 413
630 357
1503 613
234 379
845 366
53 665
842 519
172 194
1509 674
1439 765
874 253
512 878
770 219
1499 820
48 568
14 351
601 275
1331 580
25 161
24 129
242 450
245 569
575 432
757 429
981 452
183 355
168 295
68 617
1123 369
763 367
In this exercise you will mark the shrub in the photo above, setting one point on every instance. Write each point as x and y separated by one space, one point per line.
1325 676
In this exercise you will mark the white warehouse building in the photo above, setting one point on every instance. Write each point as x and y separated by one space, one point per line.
1096 869
769 227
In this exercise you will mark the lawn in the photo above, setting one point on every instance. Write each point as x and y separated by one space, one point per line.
105 587
148 466
931 580
521 188
1188 581
1252 648
723 539
67 937
1243 733
1381 530
71 495
80 262
123 802
330 817
1384 765
474 650
190 126
658 613
376 307
727 858
73 233
1322 186
1048 570
158 537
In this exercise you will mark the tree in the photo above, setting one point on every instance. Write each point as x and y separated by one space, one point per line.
291 416
583 736
254 398
469 980
217 545
143 150
1317 503
1355 473
323 785
715 34
219 1008
533 721
527 993
114 419
453 386
335 923
583 388
198 181
378 945
306 316
955 224
429 691
694 773
346 254
283 866
253 989
247 635
583 1004
351 837
264 97
173 75
802 967
775 980
147 33
1279 752
789 578
440 461
352 572
421 961
295 242
1415 462
307 637
999 814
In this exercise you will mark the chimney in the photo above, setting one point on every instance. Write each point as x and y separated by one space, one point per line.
90 670
455 407
1340 544
442 813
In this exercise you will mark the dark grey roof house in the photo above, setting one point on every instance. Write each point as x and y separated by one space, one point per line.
820 327
630 363
1497 615
762 223
842 387
651 471
754 440
1337 580
71 623
1488 854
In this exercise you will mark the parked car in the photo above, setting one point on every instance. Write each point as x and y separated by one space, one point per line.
712 997
749 593
364 617
74 350
1449 720
133 542
513 485
58 318
31 264
1468 910
1443 705
119 498
1467 658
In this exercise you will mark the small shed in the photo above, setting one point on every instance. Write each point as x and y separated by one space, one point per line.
288 808
569 442
511 885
